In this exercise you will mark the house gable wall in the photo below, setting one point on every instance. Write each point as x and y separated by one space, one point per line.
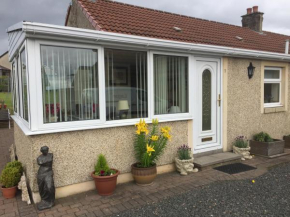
4 61
243 103
76 18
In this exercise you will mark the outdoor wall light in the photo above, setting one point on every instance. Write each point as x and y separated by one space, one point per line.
251 70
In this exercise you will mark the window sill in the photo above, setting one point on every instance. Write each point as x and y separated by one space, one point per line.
275 109
108 124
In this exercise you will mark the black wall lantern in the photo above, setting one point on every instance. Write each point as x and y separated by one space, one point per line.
251 70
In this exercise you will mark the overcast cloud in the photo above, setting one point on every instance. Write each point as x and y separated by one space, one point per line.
276 18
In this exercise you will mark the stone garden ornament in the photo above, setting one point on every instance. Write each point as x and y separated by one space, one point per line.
245 152
184 160
23 187
45 179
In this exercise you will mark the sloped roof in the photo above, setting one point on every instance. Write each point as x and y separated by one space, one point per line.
4 68
123 18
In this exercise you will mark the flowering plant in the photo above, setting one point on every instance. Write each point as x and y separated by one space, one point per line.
149 146
184 152
52 108
241 142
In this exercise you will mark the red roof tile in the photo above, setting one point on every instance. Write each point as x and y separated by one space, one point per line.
123 18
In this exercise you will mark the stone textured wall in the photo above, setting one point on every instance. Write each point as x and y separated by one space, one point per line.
23 146
77 18
244 104
75 153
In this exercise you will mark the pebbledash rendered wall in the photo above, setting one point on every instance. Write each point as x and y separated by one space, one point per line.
244 102
75 153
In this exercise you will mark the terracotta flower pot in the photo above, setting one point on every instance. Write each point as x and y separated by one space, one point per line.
106 185
143 176
9 192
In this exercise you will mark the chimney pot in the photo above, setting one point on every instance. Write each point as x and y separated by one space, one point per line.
253 19
255 9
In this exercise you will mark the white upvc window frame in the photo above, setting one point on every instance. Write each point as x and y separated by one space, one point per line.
38 81
15 85
19 113
174 116
273 81
36 124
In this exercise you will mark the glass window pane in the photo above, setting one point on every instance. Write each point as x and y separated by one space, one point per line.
126 84
272 74
24 86
14 88
271 93
170 84
69 84
206 100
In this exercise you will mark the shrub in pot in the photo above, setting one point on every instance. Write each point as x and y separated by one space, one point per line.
184 160
241 147
105 177
263 144
148 148
10 178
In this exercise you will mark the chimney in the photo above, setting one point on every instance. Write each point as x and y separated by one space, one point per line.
253 19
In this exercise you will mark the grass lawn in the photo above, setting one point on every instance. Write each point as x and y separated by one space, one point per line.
7 97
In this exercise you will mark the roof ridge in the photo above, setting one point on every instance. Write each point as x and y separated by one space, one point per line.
166 12
89 16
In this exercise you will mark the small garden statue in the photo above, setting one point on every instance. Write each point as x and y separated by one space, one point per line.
184 161
23 187
241 147
45 179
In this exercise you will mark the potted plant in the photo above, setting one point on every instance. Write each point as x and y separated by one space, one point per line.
287 141
105 177
148 148
264 145
10 178
241 147
184 160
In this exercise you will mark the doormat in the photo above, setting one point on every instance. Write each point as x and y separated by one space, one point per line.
234 168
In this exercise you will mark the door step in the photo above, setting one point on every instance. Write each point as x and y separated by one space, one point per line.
216 160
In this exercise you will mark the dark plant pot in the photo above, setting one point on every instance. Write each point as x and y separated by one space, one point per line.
9 192
105 185
287 141
267 148
143 176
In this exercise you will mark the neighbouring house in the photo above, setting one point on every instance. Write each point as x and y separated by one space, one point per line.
81 90
5 71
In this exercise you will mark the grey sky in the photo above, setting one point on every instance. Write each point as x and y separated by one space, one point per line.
276 18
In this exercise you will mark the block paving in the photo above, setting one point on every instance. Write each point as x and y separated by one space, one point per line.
127 196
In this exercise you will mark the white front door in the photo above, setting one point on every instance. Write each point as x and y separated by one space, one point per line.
208 107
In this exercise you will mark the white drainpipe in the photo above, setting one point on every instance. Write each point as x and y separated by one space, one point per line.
287 47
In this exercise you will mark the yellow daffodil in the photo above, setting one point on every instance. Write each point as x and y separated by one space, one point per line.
142 127
149 149
253 181
155 121
167 135
165 129
154 138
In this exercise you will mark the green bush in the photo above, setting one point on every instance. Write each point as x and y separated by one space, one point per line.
102 168
10 177
263 137
15 164
241 142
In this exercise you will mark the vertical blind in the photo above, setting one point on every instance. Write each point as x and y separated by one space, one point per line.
126 79
69 84
170 84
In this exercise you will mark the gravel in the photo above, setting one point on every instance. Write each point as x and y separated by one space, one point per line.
268 196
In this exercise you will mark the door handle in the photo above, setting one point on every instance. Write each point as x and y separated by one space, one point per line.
219 100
